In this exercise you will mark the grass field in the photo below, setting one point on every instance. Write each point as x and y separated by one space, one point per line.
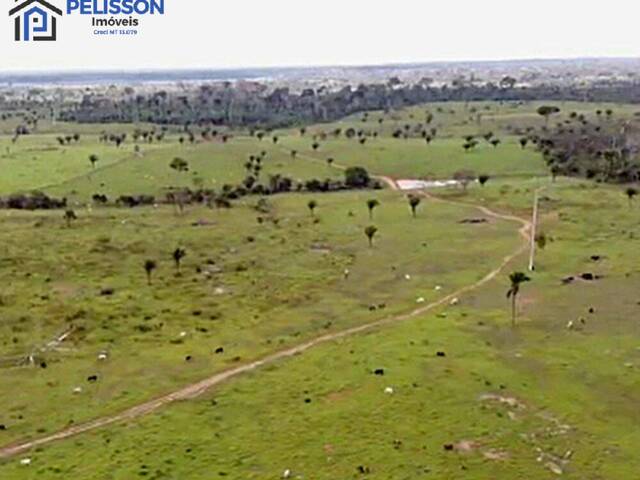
532 401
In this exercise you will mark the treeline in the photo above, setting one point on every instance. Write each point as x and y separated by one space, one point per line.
32 201
237 106
606 150
355 178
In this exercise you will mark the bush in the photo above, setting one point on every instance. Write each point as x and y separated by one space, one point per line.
34 201
357 177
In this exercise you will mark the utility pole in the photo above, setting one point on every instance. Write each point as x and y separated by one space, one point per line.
534 228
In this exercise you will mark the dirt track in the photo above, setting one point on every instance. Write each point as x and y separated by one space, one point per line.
196 389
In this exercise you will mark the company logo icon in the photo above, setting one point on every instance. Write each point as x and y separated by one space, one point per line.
35 20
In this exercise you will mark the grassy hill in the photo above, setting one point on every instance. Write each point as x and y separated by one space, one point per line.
459 392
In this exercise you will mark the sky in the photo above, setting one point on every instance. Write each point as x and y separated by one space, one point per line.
252 33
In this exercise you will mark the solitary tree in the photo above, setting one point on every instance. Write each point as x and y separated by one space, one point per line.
149 267
414 201
179 165
546 111
371 205
483 179
631 193
93 158
312 205
178 255
516 279
464 177
370 232
541 240
70 216
357 177
523 142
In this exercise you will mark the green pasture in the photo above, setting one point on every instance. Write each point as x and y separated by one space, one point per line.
464 394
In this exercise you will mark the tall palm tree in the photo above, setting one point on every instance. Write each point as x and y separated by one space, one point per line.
178 255
631 193
414 201
546 111
312 205
516 279
371 205
180 165
70 216
370 232
149 267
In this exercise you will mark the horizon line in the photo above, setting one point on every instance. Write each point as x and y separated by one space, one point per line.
401 64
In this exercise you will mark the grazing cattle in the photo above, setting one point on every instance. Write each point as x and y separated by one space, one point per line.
567 280
77 390
588 276
448 447
388 390
441 354
286 474
592 310
43 364
596 258
363 469
379 372
92 378
307 400
3 426
219 350
102 356
188 358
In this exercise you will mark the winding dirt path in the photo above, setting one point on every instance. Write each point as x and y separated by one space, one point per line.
196 389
